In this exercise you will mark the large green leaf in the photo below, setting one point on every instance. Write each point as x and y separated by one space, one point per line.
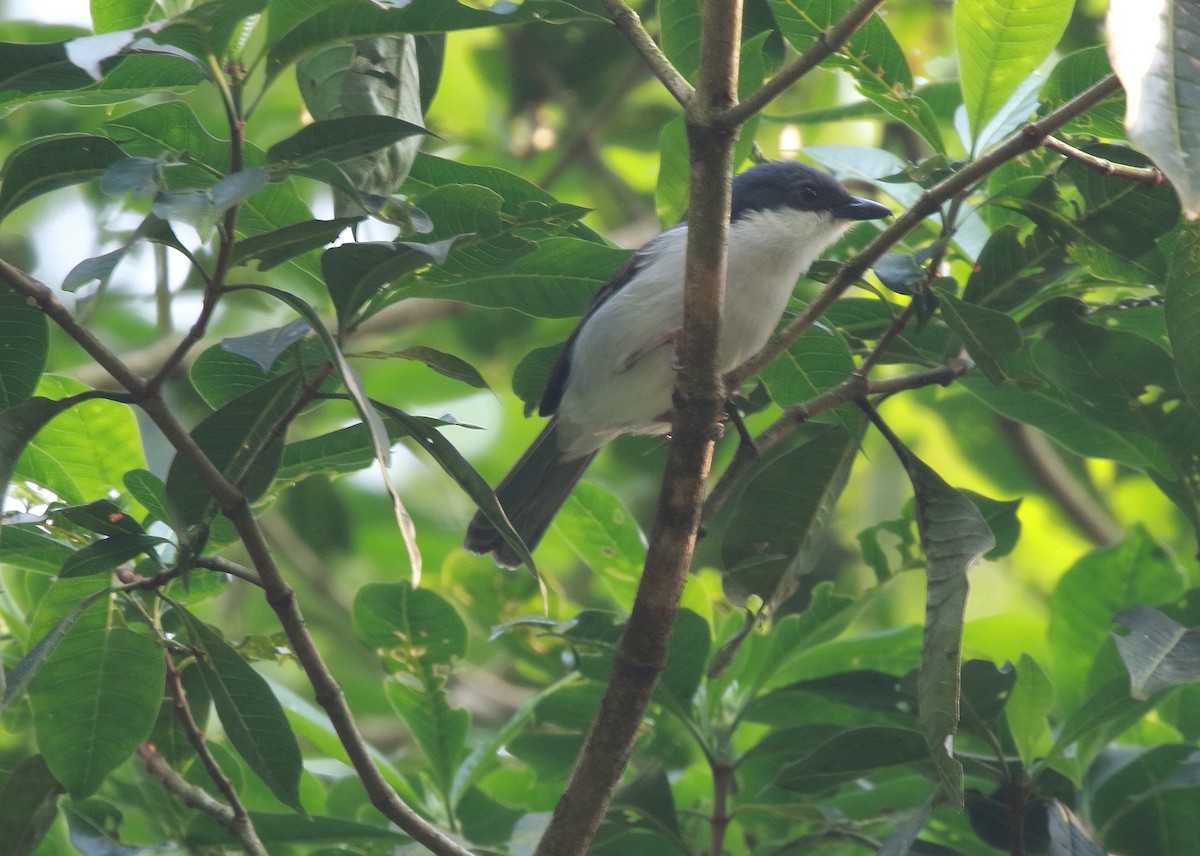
252 717
107 553
989 336
19 425
204 833
95 700
273 248
243 443
50 163
24 346
815 363
1028 709
85 451
1153 52
1159 652
1094 589
851 754
1000 43
28 805
1147 801
604 535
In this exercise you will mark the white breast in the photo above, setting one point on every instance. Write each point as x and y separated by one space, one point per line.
606 396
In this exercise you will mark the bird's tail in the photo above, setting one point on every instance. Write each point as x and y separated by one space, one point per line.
531 494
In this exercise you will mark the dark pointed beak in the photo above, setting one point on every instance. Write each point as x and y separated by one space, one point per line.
860 209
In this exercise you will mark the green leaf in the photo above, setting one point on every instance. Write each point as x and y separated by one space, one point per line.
778 524
171 126
29 69
1028 709
50 163
28 806
851 754
207 28
299 27
278 246
439 729
1094 589
531 374
1183 310
953 536
24 346
444 364
871 55
1076 72
1159 652
148 489
340 139
1000 43
602 533
312 724
817 362
31 550
989 336
20 676
19 425
265 347
1010 272
243 444
108 553
252 717
465 476
1146 801
1153 56
417 628
687 656
95 700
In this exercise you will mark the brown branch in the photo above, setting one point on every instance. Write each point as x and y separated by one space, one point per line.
640 656
627 21
191 795
722 773
853 388
827 43
240 825
279 594
1150 175
929 202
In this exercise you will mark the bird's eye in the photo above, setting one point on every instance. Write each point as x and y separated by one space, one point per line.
808 192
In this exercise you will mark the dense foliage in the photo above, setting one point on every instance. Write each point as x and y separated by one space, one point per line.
306 266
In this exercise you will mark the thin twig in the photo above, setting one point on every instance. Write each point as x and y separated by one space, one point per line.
722 774
1150 175
627 21
191 795
854 387
225 566
930 201
827 43
240 825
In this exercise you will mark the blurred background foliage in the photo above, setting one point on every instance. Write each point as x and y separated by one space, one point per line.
572 109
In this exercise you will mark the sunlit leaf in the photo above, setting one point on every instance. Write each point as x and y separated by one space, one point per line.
1000 43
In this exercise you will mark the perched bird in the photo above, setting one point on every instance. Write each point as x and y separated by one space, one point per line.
616 373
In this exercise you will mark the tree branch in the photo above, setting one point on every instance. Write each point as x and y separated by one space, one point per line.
1150 175
825 46
240 825
929 202
627 21
279 594
698 395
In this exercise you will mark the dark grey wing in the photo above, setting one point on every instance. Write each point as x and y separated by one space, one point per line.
556 383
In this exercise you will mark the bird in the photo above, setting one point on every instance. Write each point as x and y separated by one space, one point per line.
617 370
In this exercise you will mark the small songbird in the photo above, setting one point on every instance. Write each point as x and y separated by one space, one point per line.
616 373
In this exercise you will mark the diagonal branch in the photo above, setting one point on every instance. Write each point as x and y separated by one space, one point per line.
627 21
825 46
930 201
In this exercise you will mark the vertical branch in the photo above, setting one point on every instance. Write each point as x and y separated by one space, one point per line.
642 651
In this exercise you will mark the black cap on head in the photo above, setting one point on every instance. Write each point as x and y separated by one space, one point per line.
777 185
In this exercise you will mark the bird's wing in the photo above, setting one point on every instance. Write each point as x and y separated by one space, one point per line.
556 383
